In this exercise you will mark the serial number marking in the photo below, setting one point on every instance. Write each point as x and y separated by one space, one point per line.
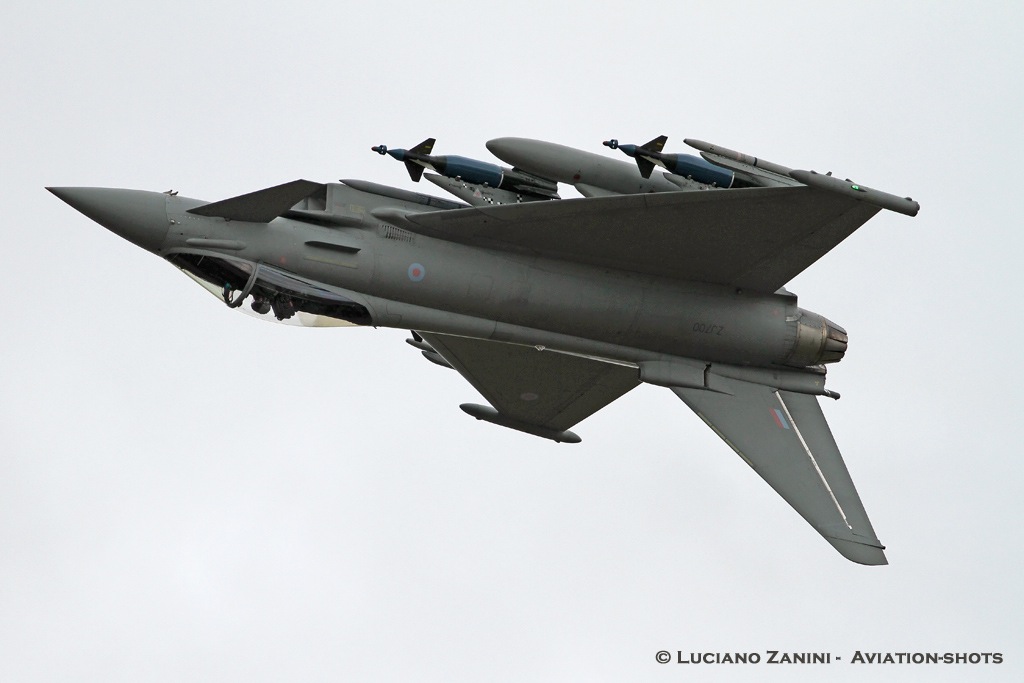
704 328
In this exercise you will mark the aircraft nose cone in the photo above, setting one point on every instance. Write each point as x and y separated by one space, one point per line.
136 215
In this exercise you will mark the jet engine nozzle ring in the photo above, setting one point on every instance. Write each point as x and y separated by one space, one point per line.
816 340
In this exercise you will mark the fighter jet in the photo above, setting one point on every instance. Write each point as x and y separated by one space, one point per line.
552 310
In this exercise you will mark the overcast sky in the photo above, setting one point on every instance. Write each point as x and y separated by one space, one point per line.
190 494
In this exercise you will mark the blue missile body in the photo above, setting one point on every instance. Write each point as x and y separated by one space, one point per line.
469 170
686 165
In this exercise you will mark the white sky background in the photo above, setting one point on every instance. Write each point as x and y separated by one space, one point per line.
189 494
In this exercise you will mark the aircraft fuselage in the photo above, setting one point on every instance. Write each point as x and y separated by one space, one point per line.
406 280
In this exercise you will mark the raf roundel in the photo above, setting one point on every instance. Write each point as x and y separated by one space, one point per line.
417 272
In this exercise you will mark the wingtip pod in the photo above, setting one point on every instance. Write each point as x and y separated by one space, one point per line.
904 205
491 415
730 158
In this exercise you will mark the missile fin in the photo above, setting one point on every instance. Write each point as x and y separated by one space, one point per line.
657 144
415 171
646 167
425 147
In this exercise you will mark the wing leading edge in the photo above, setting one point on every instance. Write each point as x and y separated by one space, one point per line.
784 437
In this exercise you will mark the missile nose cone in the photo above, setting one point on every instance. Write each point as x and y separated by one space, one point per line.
138 216
393 153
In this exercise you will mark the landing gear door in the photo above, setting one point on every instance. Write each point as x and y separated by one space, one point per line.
269 293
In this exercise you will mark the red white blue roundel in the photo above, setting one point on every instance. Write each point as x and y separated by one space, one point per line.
417 272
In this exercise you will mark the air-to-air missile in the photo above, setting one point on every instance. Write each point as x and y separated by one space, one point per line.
686 165
761 172
477 182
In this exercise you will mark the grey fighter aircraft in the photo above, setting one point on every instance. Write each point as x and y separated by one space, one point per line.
554 309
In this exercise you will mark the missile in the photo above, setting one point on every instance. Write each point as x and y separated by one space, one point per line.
766 172
469 170
591 174
686 165
724 153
